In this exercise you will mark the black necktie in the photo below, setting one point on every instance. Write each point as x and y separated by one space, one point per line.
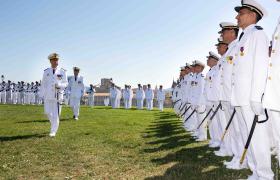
53 71
241 36
75 78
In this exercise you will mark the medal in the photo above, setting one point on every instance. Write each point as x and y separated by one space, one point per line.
229 59
242 51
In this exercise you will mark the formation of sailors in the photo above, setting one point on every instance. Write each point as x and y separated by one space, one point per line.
141 95
20 93
238 100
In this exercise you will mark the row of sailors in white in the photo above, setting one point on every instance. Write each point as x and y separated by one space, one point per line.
244 80
20 93
141 95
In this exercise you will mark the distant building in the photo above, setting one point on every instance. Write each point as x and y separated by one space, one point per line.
105 85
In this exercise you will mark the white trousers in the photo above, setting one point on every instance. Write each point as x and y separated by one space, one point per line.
226 144
160 105
140 103
258 154
126 103
91 101
52 110
200 114
274 118
3 97
130 103
75 105
233 134
149 104
114 102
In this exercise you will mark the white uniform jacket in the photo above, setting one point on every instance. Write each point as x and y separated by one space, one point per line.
140 94
160 95
149 94
226 73
48 90
76 87
250 67
272 91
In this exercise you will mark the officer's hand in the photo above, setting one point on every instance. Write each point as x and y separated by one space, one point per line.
257 108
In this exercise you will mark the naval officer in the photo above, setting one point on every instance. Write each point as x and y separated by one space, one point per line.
249 75
76 89
54 82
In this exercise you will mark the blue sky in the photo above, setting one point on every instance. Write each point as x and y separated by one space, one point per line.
132 41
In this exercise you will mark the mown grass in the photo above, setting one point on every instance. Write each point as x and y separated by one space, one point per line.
104 144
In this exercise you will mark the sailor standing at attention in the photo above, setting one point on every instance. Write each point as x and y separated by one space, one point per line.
249 76
76 88
140 96
149 94
91 93
272 90
53 84
160 98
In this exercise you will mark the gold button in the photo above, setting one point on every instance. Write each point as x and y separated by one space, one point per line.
276 37
273 51
270 64
269 78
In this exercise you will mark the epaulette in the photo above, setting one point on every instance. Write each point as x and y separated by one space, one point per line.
258 27
202 75
46 69
63 69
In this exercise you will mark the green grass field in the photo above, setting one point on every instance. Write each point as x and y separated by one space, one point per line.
104 144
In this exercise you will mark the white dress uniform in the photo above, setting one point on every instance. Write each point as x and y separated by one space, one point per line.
185 95
76 89
140 96
191 99
118 98
130 97
21 94
91 93
113 97
106 101
271 98
233 133
249 76
160 99
221 116
53 96
213 125
9 93
126 96
3 93
199 104
149 95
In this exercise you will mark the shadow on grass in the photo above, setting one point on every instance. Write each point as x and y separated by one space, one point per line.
23 137
41 121
185 158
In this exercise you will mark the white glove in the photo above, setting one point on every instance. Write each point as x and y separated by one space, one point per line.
57 86
257 108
